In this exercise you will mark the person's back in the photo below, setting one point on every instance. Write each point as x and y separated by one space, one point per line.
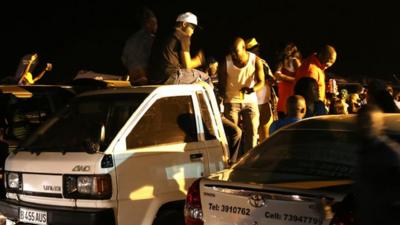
137 49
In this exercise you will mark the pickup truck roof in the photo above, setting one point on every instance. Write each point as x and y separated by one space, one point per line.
146 89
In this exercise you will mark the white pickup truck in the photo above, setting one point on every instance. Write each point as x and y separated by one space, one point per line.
117 156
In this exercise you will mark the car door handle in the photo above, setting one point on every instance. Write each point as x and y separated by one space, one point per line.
196 157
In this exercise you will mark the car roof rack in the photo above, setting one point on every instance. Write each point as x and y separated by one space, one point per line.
90 80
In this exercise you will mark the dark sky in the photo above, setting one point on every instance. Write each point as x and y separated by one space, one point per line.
85 34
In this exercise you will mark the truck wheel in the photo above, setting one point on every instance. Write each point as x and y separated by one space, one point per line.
170 217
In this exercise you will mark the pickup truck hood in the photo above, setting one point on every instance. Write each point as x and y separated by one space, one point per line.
53 162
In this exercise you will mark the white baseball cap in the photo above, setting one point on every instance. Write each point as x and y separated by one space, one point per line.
187 17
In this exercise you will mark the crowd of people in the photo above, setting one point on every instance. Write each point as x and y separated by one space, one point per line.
253 95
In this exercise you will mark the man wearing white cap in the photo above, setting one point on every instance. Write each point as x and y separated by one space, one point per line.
174 64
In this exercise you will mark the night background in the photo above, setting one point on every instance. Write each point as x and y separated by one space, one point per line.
90 35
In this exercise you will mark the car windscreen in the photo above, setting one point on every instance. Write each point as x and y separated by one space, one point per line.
23 115
301 155
87 122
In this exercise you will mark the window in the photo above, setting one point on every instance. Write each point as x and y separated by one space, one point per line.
168 120
78 126
206 118
301 155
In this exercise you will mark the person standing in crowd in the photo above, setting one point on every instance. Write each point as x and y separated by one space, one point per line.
377 183
232 131
241 75
136 52
211 69
266 97
296 110
289 60
172 63
315 65
354 103
378 94
25 69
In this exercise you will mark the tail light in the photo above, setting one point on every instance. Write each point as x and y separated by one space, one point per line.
343 219
193 211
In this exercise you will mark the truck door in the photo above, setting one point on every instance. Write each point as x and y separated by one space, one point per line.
210 134
163 157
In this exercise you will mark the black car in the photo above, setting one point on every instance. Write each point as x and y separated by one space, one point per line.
302 174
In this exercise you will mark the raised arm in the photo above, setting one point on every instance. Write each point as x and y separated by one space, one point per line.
28 68
49 66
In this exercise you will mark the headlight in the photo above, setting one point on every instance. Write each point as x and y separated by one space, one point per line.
14 180
87 187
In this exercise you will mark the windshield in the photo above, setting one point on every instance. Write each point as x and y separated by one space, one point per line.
86 122
301 155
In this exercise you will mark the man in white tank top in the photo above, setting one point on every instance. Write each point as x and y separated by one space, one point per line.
241 75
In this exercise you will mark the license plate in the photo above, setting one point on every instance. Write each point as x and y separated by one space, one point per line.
32 216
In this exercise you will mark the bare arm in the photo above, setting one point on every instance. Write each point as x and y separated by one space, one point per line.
281 76
28 67
49 66
284 77
259 75
189 62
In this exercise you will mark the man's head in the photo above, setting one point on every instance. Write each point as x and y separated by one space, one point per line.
355 98
296 106
149 21
187 22
308 88
327 56
212 66
238 51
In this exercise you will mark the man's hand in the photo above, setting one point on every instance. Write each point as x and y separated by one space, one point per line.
247 90
49 67
33 57
200 57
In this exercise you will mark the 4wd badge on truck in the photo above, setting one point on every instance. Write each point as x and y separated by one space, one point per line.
81 168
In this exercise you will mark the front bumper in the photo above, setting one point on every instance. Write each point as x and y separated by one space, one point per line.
60 215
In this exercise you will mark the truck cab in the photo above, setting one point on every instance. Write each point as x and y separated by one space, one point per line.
117 156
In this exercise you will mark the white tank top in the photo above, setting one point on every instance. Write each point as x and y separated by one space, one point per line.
239 78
